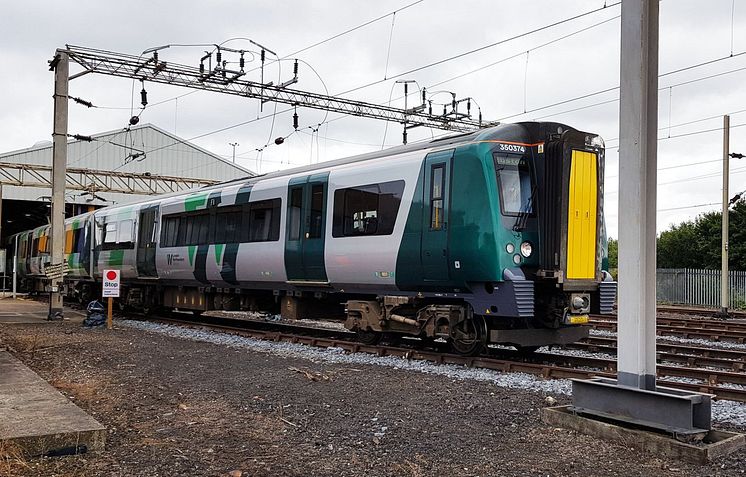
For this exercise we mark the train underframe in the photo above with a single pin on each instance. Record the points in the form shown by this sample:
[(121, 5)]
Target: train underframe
[(429, 318)]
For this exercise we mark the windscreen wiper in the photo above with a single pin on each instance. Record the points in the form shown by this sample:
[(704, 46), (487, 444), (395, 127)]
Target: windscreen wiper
[(522, 218)]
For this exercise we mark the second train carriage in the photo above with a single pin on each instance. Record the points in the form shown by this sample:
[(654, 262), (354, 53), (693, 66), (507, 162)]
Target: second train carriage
[(494, 236)]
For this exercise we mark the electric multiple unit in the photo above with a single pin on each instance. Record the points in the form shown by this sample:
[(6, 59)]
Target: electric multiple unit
[(495, 236)]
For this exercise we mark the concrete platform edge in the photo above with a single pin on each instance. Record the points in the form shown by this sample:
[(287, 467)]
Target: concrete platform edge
[(723, 442), (36, 419), (91, 440)]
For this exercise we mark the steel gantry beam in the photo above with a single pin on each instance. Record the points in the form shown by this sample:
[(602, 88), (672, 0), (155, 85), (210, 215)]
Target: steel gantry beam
[(222, 80), (37, 175)]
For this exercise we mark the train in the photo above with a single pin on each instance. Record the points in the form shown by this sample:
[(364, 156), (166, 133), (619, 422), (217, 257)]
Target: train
[(490, 237)]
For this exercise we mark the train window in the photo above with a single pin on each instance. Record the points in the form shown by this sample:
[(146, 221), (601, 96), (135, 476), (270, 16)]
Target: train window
[(264, 219), (202, 230), (437, 180), (79, 240), (69, 241), (196, 230), (366, 210), (170, 231), (296, 206), (43, 240), (514, 180), (126, 233), (317, 208), (110, 233), (228, 226)]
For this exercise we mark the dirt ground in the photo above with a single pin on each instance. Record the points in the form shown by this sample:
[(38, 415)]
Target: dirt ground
[(180, 407)]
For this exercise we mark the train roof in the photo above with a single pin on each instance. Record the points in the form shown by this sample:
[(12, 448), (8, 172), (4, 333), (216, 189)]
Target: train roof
[(507, 131)]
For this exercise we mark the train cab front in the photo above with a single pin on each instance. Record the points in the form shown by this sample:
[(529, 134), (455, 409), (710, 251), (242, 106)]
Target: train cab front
[(552, 240), (571, 282)]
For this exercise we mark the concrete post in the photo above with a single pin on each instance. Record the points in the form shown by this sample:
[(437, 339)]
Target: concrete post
[(637, 191), (59, 166), (724, 282)]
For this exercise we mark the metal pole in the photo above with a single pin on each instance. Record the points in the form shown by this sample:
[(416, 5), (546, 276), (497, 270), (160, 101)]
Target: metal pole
[(15, 265), (5, 258), (109, 312), (59, 166), (637, 191), (724, 282), (234, 144)]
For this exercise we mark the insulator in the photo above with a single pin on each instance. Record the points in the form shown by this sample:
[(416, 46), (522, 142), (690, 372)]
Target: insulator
[(453, 103), (295, 120), (480, 118), (404, 135), (143, 97), (406, 88), (262, 55), (241, 61), (201, 67), (468, 106), (295, 68), (430, 109), (445, 111), (219, 57), (155, 57), (423, 96)]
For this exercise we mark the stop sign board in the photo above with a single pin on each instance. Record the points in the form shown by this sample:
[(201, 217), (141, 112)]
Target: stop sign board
[(111, 284)]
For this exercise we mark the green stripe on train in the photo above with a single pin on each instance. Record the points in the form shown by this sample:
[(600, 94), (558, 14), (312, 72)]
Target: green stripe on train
[(192, 203)]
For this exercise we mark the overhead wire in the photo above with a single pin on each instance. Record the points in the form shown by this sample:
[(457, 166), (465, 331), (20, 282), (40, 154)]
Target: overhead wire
[(614, 88), (401, 74), (479, 49), (484, 47)]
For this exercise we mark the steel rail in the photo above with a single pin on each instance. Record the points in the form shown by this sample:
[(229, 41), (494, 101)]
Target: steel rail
[(679, 349), (738, 336), (733, 364)]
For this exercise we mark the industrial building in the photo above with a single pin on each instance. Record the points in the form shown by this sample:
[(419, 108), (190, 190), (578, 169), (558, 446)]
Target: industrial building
[(113, 167)]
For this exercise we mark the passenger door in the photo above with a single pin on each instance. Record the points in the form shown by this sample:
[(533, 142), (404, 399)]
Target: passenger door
[(306, 228), (146, 242), (436, 205)]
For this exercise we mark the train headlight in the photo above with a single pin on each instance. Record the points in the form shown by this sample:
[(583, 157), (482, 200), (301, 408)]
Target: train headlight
[(526, 249), (510, 248), (517, 259), (594, 141)]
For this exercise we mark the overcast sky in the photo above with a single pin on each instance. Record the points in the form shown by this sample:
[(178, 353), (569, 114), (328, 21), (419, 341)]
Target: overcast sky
[(582, 58)]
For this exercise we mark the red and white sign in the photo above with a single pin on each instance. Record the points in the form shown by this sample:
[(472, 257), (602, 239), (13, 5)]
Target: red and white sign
[(111, 284)]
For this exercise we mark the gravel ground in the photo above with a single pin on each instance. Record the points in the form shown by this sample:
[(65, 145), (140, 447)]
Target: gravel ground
[(196, 404)]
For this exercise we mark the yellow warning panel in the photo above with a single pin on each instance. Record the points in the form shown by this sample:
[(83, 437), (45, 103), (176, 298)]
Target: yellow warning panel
[(581, 217)]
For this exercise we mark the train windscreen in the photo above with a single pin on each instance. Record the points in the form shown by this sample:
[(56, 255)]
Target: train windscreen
[(514, 182)]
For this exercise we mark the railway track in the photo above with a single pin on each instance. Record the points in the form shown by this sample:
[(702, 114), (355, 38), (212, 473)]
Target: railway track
[(723, 384), (732, 360), (685, 328), (698, 311)]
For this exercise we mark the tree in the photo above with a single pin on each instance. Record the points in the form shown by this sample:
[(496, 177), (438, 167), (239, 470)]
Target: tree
[(678, 247), (613, 254), (696, 243)]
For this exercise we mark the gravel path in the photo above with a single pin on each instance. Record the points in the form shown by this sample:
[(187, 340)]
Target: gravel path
[(196, 403)]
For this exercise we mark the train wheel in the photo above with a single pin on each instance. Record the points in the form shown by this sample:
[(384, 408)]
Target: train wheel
[(368, 337), (469, 337)]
